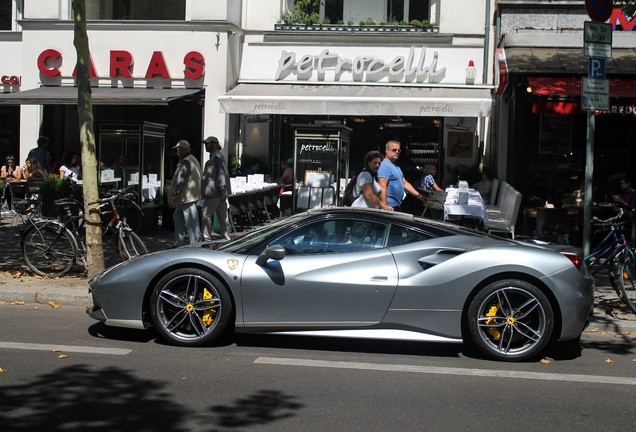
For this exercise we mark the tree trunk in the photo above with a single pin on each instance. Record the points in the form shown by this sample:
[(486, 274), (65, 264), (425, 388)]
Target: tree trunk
[(94, 247)]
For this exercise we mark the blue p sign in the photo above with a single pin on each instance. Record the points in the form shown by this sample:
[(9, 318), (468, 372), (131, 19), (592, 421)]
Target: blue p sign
[(596, 68)]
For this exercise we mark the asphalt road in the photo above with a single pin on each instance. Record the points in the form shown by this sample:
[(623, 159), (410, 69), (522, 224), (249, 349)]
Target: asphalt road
[(127, 380)]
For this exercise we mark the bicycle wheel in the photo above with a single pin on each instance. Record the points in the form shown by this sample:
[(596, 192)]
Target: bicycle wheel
[(628, 282), (49, 249), (615, 274), (131, 211), (129, 245)]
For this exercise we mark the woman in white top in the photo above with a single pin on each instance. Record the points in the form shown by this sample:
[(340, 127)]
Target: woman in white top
[(367, 188), (69, 168)]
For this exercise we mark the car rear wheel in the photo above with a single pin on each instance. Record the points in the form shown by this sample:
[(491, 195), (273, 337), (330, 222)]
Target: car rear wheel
[(510, 320), (190, 307)]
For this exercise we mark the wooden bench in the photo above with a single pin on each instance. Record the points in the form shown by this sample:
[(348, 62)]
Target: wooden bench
[(502, 218)]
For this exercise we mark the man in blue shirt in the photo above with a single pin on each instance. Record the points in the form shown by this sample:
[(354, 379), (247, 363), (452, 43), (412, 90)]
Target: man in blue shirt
[(392, 180)]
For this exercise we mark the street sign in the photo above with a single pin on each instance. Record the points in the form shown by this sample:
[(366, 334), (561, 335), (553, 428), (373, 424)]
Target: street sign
[(595, 94), (599, 10), (596, 68), (597, 39)]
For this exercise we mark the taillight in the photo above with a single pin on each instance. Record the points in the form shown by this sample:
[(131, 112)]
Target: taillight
[(575, 259)]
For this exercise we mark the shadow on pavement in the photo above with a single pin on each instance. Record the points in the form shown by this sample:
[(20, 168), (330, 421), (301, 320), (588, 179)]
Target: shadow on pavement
[(82, 397)]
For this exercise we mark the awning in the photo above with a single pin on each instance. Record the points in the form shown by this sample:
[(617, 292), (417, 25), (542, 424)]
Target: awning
[(569, 61), (101, 96), (360, 100), (571, 86)]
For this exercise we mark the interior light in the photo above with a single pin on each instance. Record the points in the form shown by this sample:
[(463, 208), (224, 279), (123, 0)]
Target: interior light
[(529, 89)]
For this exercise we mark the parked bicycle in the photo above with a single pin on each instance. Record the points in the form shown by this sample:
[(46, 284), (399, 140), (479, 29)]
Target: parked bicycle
[(615, 253), (51, 246)]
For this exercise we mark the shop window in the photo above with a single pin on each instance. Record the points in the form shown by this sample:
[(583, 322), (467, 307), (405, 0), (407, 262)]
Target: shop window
[(146, 10), (333, 11), (5, 14), (407, 10)]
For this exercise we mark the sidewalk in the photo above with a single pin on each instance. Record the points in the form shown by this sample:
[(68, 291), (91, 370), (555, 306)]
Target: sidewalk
[(17, 283)]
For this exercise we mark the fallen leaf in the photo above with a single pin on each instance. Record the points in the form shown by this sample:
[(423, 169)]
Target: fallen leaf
[(56, 350), (54, 305), (2, 370), (609, 361), (3, 282), (619, 335), (36, 308), (62, 356), (544, 361)]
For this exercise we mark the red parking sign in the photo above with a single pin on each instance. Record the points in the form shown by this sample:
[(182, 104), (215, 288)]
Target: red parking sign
[(599, 10)]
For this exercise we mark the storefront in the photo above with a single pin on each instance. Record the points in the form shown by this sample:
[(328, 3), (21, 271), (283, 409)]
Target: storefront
[(431, 99), (543, 100), (170, 77)]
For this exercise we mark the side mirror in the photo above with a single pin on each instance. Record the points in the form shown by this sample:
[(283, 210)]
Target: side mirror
[(275, 252)]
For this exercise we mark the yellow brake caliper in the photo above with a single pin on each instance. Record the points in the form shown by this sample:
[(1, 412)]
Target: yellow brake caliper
[(493, 313), (207, 316)]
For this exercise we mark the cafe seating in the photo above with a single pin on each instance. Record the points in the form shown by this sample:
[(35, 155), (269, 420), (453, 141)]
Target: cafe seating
[(434, 207), (502, 218)]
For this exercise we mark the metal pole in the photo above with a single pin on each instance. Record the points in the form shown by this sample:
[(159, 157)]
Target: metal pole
[(589, 170)]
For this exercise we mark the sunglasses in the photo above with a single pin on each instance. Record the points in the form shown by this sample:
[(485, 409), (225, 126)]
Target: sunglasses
[(396, 150)]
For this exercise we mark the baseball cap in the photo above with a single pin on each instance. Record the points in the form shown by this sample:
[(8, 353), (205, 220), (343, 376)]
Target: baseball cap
[(183, 144), (211, 139)]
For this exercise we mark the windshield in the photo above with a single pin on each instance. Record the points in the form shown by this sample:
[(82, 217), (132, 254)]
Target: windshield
[(244, 244)]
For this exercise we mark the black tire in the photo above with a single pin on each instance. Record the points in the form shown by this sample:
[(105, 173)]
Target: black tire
[(131, 212), (627, 271), (129, 245), (49, 249), (510, 320), (183, 314)]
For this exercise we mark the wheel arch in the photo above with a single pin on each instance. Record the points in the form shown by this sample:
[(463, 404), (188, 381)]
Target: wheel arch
[(556, 310), (149, 288)]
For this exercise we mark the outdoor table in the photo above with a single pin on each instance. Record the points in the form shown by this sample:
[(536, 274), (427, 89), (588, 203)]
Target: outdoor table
[(474, 209)]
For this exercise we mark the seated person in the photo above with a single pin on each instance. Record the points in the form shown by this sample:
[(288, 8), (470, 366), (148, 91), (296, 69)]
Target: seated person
[(10, 171), (287, 177), (70, 169), (428, 178), (32, 169), (253, 169), (484, 187), (627, 199)]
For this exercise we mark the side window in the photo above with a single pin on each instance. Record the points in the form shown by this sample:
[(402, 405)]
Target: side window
[(402, 235), (333, 236)]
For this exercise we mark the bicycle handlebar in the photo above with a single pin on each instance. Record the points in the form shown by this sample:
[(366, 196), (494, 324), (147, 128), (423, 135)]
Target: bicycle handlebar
[(612, 221)]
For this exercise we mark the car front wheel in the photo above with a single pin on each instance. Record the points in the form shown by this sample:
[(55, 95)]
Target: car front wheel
[(190, 307), (510, 320)]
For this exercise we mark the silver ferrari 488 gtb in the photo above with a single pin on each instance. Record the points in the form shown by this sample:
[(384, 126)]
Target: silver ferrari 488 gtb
[(357, 273)]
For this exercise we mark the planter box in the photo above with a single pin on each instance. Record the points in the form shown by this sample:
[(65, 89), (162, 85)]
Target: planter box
[(353, 28)]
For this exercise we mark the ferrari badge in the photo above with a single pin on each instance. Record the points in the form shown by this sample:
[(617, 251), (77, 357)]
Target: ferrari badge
[(232, 263)]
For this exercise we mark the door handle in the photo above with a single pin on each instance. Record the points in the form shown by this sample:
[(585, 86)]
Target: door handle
[(379, 278)]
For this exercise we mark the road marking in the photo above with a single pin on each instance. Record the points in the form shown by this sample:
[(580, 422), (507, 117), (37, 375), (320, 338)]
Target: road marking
[(594, 379), (65, 348)]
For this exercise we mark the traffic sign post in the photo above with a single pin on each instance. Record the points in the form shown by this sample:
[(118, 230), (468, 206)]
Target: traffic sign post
[(599, 10), (597, 39), (595, 94), (596, 68)]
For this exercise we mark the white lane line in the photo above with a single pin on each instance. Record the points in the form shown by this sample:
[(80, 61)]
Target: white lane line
[(594, 379), (65, 348)]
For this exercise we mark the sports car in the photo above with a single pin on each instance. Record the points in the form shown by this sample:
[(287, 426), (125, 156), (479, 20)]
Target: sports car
[(359, 273)]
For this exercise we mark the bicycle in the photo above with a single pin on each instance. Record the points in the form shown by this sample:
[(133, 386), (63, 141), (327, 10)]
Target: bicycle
[(50, 246), (615, 253)]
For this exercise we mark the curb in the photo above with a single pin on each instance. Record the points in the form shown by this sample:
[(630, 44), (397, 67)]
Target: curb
[(61, 296)]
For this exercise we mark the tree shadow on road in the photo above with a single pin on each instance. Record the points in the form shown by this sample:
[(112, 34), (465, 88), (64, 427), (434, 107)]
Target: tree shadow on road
[(85, 398)]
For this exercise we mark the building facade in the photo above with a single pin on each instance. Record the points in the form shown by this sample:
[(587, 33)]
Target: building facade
[(417, 71), (541, 129)]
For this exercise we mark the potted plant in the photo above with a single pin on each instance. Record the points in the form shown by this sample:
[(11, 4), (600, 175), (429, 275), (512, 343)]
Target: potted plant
[(53, 188)]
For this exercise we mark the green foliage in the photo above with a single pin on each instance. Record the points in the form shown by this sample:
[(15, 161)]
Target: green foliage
[(416, 23), (350, 22), (235, 166), (1, 184), (628, 7), (53, 188)]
